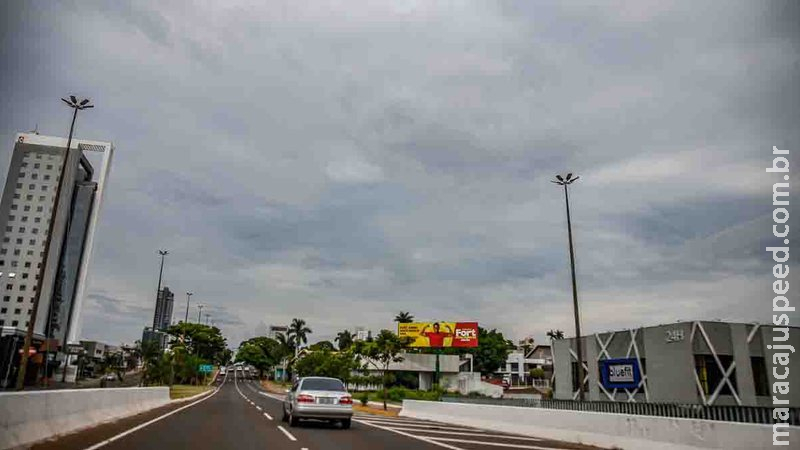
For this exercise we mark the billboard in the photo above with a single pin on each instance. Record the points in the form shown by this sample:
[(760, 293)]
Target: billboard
[(620, 373), (440, 334)]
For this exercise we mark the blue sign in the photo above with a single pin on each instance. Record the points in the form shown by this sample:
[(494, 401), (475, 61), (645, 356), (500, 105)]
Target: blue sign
[(206, 368), (622, 373)]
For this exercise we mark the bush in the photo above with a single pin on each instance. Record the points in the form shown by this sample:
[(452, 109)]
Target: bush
[(364, 398)]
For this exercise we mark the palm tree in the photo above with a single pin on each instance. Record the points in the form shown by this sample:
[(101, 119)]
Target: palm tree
[(555, 335), (404, 317), (344, 339), (298, 334)]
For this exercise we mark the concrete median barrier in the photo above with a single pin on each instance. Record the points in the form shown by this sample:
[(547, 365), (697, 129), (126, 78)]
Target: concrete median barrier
[(601, 429), (27, 417)]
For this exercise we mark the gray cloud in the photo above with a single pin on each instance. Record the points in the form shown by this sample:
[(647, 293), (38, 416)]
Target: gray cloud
[(302, 160)]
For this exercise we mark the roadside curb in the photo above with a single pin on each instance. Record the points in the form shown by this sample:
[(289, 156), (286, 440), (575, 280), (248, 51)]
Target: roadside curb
[(178, 400)]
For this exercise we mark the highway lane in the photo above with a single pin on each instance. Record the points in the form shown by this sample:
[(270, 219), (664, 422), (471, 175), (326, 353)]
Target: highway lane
[(240, 414)]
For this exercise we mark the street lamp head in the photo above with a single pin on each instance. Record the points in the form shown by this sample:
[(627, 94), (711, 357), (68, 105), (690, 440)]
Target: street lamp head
[(74, 100), (84, 101), (163, 252), (565, 181)]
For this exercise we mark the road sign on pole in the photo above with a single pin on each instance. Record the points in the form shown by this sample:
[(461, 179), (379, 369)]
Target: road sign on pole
[(205, 368)]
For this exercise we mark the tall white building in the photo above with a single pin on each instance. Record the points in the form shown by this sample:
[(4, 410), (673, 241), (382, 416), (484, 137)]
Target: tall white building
[(25, 211)]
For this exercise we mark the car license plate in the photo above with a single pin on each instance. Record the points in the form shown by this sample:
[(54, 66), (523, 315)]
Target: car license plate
[(326, 400)]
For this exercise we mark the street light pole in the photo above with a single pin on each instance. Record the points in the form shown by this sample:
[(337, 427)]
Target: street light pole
[(207, 316), (186, 319), (566, 181), (163, 253), (199, 312), (26, 346)]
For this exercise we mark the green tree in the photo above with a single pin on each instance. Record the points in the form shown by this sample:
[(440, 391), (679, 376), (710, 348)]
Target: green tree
[(298, 333), (404, 317), (344, 339), (491, 352), (254, 355), (202, 340), (325, 363), (322, 345), (380, 352), (537, 373)]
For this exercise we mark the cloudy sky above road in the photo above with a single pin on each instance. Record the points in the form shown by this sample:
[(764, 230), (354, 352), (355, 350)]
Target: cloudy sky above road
[(343, 161)]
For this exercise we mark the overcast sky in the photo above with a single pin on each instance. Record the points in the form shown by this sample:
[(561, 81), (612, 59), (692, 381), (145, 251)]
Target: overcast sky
[(344, 161)]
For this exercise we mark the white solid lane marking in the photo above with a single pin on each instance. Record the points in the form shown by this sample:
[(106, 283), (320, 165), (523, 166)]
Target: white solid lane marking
[(258, 407), (267, 416), (150, 422), (289, 435), (421, 425), (495, 444), (403, 433), (467, 433)]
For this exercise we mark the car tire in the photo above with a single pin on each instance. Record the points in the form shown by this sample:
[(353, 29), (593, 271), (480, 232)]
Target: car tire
[(293, 421), (285, 417), (345, 424)]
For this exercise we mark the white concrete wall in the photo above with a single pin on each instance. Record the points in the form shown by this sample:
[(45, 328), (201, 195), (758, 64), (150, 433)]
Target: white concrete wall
[(27, 417), (606, 430)]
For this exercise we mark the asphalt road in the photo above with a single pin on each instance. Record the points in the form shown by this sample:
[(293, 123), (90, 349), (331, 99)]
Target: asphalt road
[(241, 415)]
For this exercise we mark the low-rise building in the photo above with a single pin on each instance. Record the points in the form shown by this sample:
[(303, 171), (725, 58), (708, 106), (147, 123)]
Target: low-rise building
[(519, 363), (701, 362)]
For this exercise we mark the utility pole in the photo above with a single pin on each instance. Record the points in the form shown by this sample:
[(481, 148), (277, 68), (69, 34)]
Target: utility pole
[(566, 181), (199, 312), (26, 346)]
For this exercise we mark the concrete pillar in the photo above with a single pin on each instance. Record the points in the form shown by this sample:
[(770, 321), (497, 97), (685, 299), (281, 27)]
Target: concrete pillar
[(425, 381), (744, 370)]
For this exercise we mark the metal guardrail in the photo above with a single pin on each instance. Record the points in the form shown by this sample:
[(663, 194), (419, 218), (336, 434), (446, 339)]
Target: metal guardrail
[(743, 414)]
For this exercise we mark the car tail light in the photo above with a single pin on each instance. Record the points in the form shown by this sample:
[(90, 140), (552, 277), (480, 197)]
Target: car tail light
[(305, 398), (346, 400)]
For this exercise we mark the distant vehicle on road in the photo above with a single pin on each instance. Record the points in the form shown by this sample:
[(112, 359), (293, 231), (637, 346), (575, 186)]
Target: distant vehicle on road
[(319, 398), (110, 377)]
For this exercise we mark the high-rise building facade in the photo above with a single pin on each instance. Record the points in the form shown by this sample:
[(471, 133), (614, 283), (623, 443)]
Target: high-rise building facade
[(163, 314), (25, 219)]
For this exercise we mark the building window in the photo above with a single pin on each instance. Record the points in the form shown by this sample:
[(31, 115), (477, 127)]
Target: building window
[(29, 253), (14, 323), (36, 165), (24, 164), (31, 186), (49, 167), (20, 299), (39, 208), (14, 206), (22, 174), (12, 218), (710, 375), (24, 218), (13, 264), (25, 276), (41, 198), (6, 239), (37, 219), (6, 298), (26, 208), (35, 231), (17, 311), (21, 229), (27, 264), (3, 310), (9, 229), (19, 186), (16, 252), (22, 287), (44, 187), (34, 176), (9, 287), (47, 178), (3, 251), (759, 367), (32, 242)]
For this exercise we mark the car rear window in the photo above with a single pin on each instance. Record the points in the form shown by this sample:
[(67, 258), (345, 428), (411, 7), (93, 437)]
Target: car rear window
[(322, 384)]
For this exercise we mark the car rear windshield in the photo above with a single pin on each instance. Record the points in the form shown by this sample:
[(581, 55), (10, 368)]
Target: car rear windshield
[(322, 384)]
